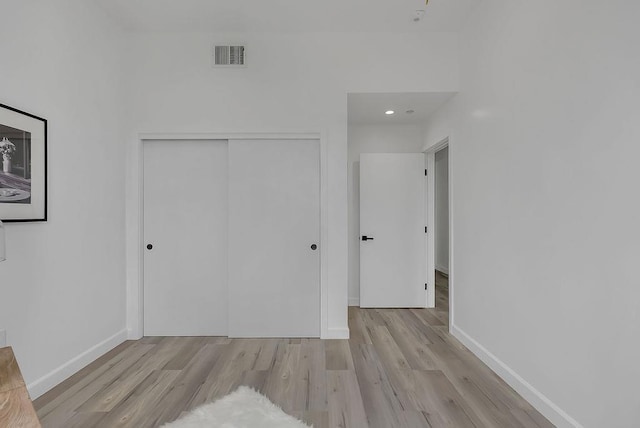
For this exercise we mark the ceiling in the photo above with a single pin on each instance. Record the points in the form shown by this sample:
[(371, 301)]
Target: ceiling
[(370, 108), (288, 15)]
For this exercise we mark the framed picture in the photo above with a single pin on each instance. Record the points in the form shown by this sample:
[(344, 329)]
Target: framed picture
[(23, 166)]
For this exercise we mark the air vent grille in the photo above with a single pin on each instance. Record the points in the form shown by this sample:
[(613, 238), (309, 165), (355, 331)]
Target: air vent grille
[(229, 56)]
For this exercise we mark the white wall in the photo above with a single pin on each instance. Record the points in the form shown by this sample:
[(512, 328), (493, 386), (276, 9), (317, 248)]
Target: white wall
[(544, 160), (62, 288), (441, 232), (293, 83), (371, 139)]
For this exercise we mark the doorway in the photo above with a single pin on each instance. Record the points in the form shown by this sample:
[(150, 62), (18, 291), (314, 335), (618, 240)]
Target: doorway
[(441, 230), (385, 123), (440, 241)]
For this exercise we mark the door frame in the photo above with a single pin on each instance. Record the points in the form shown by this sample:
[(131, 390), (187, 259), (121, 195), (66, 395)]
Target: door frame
[(430, 154), (135, 219)]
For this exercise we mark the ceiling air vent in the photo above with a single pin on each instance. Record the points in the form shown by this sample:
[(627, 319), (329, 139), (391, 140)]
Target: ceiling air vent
[(229, 56)]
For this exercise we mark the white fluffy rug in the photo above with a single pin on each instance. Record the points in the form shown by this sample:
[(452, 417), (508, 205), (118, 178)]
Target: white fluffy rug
[(244, 408)]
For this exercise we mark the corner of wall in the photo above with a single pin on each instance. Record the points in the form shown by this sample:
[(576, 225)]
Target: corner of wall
[(56, 376), (336, 333)]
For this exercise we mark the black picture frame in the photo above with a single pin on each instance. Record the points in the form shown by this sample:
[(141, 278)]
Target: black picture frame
[(23, 166)]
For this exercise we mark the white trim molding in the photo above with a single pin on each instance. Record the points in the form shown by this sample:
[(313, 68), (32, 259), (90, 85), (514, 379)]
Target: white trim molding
[(50, 380), (354, 301), (231, 136), (537, 399), (337, 333)]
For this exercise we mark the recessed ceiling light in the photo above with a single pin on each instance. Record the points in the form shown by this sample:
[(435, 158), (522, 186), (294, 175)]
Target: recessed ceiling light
[(389, 112)]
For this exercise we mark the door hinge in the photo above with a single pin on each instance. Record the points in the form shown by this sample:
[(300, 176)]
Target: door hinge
[(425, 229), (425, 286), (425, 172)]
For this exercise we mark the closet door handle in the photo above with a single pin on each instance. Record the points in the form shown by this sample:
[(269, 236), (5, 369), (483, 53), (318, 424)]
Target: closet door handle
[(367, 238)]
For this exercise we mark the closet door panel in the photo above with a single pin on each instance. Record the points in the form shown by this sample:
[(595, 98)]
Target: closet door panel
[(274, 238), (185, 238)]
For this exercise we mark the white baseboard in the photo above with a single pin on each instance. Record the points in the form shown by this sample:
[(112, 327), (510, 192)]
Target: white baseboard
[(442, 269), (133, 334), (337, 333), (48, 381), (544, 405), (354, 301)]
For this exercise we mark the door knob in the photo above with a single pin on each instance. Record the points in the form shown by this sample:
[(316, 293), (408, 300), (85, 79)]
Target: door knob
[(149, 247), (367, 238), (314, 247)]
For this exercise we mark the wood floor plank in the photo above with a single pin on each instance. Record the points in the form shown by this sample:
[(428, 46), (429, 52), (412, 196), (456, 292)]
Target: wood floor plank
[(113, 355), (382, 405), (531, 419), (281, 386), (346, 409), (153, 340), (82, 420), (413, 348), (400, 369), (491, 399), (266, 355), (372, 319), (179, 396), (429, 317), (388, 349), (437, 398), (135, 410), (62, 408), (226, 375), (338, 355), (311, 379), (255, 379), (395, 364), (110, 396), (357, 329), (314, 418), (189, 347)]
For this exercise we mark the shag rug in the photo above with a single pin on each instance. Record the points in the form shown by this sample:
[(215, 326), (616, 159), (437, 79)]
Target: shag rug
[(244, 408)]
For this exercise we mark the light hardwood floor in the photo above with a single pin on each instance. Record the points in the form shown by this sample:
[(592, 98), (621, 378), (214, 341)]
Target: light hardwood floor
[(401, 368)]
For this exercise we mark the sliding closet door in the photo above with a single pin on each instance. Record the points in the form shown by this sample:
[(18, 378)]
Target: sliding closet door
[(274, 238), (185, 238)]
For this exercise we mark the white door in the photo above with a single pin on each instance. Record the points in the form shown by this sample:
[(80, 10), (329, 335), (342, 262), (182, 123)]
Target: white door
[(274, 238), (185, 235), (392, 234)]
